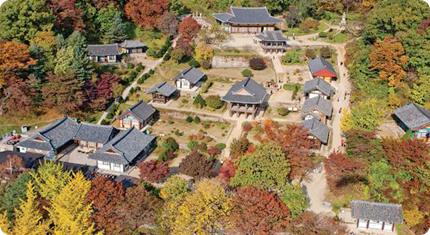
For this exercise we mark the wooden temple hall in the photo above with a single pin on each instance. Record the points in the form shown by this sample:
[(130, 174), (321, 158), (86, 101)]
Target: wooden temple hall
[(251, 20), (272, 41), (246, 97)]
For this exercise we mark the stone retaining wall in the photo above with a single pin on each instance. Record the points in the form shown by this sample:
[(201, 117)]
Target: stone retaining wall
[(230, 62)]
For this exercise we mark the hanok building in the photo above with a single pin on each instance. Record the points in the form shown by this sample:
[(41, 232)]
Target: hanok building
[(321, 68), (162, 92), (317, 107), (92, 137), (246, 97), (376, 215), (317, 132), (272, 41), (124, 150), (250, 20), (318, 87), (414, 118), (104, 53), (52, 139), (189, 79), (139, 115), (132, 46)]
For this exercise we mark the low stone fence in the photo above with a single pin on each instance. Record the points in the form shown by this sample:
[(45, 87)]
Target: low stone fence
[(230, 62), (166, 114)]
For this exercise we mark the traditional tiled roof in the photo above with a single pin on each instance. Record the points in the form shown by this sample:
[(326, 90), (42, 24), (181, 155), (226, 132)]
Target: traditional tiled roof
[(317, 103), (104, 49), (95, 133), (247, 15), (124, 147), (413, 116), (246, 91), (320, 85), (132, 44), (317, 129), (319, 64), (52, 137), (140, 110), (190, 74), (386, 212), (272, 36), (163, 88)]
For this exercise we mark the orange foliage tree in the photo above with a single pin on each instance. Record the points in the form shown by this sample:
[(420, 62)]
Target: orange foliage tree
[(341, 170), (146, 12), (388, 57), (12, 167)]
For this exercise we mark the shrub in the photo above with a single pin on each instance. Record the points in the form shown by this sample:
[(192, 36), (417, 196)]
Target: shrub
[(214, 101), (189, 119), (325, 52), (170, 144), (192, 145), (283, 111), (105, 122), (167, 57), (213, 151), (206, 64), (170, 121), (221, 146), (196, 165), (151, 72), (257, 64), (206, 86), (194, 63), (153, 171), (246, 127), (322, 35), (140, 67), (310, 53), (196, 120), (239, 146), (247, 73), (151, 52), (140, 81), (130, 66), (199, 102), (178, 133)]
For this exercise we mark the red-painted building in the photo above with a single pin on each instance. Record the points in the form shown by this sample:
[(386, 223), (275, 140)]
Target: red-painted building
[(321, 68)]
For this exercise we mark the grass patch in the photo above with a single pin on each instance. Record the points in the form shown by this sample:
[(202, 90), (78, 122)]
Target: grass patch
[(236, 52), (154, 40), (298, 32), (338, 38)]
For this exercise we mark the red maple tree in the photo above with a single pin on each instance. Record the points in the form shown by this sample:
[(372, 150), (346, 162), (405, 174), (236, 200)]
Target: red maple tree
[(106, 194), (339, 167), (188, 28), (153, 170), (256, 211)]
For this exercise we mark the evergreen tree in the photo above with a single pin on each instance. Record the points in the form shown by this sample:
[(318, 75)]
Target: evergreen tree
[(117, 31), (199, 101), (14, 194)]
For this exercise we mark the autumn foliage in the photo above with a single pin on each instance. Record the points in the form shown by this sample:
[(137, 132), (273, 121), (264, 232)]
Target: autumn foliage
[(153, 170), (256, 211), (311, 223), (196, 165), (146, 12), (12, 167), (388, 57), (106, 195), (294, 142), (67, 15), (188, 28), (339, 169)]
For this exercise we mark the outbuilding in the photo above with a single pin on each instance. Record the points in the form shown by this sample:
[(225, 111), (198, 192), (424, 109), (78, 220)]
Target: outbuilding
[(104, 53), (414, 118), (139, 115), (272, 41), (321, 68), (189, 79), (317, 107), (132, 46), (376, 215), (318, 87), (162, 92), (317, 132)]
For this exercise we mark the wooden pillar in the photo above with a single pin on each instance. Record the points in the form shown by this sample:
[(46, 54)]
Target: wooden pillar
[(383, 225), (358, 221), (367, 225), (392, 228)]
